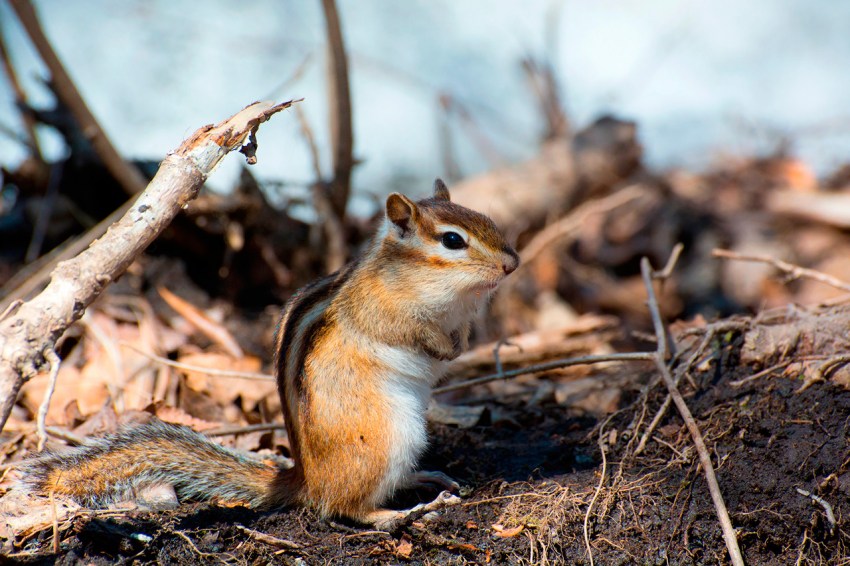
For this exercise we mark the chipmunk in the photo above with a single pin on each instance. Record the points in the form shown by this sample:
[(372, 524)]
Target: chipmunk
[(356, 354)]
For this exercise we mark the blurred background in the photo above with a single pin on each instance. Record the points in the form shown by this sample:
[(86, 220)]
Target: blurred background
[(722, 115), (702, 79)]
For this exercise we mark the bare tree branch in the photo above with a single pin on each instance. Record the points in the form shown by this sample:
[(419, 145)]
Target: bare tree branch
[(20, 99), (36, 326), (130, 178), (339, 99)]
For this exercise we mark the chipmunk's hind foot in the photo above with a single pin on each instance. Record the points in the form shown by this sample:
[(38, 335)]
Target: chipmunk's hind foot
[(390, 520)]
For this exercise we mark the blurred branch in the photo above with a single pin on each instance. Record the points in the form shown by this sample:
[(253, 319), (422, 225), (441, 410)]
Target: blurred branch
[(792, 270), (20, 100), (568, 225), (327, 221), (451, 169), (548, 95), (473, 130), (130, 178), (28, 335), (45, 211), (339, 102)]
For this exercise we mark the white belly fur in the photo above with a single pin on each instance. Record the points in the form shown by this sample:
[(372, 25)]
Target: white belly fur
[(407, 390)]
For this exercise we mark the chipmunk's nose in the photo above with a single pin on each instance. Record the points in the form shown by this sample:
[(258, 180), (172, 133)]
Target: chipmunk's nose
[(510, 261)]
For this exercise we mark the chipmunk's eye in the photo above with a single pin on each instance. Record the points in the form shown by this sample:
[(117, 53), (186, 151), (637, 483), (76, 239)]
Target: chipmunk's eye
[(453, 241)]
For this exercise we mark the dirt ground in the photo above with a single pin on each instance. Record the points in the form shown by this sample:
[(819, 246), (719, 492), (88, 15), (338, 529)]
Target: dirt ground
[(531, 476)]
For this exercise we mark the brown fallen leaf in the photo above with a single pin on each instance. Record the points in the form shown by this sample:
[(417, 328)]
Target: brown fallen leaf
[(213, 330), (404, 547), (501, 532)]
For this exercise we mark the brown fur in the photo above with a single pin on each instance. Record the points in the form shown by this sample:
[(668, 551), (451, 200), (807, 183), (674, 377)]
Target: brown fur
[(354, 420)]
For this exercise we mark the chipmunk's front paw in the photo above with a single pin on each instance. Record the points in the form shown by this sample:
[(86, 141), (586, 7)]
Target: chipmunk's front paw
[(457, 344), (442, 347)]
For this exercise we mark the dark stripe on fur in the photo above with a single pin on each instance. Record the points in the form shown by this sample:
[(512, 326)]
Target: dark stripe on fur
[(299, 306)]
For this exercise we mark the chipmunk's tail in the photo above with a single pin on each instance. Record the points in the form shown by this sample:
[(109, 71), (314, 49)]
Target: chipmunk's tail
[(140, 462)]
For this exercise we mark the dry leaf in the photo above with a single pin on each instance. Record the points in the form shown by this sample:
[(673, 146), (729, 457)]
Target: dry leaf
[(404, 547), (89, 391), (213, 330), (501, 532)]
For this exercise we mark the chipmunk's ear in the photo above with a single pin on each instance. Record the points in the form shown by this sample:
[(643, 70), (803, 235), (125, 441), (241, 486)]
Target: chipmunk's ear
[(441, 191), (402, 212)]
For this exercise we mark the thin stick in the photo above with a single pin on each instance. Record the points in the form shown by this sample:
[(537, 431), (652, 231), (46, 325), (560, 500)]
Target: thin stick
[(705, 459), (268, 539), (830, 515), (555, 364), (45, 211), (200, 369), (55, 362), (65, 435), (662, 410), (127, 175), (595, 497), (54, 519), (761, 373), (227, 430), (795, 271), (671, 263)]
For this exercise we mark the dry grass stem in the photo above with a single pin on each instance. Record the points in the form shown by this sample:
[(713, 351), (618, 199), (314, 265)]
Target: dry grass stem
[(555, 364), (54, 361), (201, 369)]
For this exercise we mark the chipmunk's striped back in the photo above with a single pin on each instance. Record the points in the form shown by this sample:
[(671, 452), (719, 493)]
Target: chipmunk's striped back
[(304, 316)]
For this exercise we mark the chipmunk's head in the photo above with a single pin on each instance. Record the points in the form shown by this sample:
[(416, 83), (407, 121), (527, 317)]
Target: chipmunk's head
[(447, 244)]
